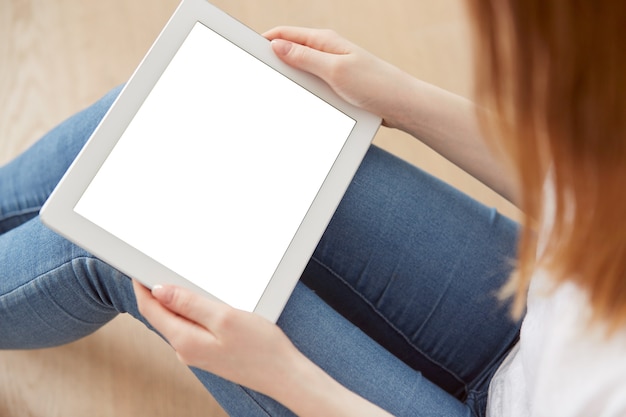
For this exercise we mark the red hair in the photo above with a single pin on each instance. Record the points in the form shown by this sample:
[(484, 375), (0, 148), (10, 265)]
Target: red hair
[(554, 72)]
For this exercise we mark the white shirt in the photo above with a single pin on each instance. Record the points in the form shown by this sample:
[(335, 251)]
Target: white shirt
[(562, 366)]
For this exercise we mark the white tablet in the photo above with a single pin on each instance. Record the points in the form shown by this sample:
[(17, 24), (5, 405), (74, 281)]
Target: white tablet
[(217, 168)]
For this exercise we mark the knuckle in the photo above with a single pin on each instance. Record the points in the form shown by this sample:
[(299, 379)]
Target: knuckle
[(298, 54), (191, 352), (225, 318), (181, 300), (183, 346), (185, 354), (339, 70), (177, 341), (184, 359)]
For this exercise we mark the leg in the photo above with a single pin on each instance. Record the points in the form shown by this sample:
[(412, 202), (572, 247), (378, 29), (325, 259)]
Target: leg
[(52, 292), (348, 355), (32, 257), (26, 182), (66, 294), (417, 265)]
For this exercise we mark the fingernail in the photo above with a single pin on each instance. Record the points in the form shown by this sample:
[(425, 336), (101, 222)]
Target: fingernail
[(281, 47), (161, 293)]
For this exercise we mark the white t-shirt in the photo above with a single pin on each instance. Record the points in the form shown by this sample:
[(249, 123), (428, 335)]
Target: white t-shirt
[(562, 366)]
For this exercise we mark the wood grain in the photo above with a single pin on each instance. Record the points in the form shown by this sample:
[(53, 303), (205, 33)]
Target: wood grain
[(58, 56)]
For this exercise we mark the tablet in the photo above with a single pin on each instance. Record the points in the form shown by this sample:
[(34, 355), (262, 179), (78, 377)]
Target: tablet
[(217, 168)]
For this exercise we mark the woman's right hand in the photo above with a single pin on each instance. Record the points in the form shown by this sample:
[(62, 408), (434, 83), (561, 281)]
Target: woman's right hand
[(444, 121), (354, 74)]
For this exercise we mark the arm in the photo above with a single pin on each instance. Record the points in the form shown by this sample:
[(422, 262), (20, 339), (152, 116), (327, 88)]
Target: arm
[(444, 121), (311, 392), (448, 123), (248, 350)]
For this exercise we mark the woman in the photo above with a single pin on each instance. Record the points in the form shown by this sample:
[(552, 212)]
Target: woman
[(414, 267)]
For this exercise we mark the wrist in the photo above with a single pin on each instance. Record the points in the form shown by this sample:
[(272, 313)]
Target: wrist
[(411, 95), (307, 390), (405, 95), (300, 378)]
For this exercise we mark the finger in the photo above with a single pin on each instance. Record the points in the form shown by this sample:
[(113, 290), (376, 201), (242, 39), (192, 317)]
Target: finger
[(140, 289), (149, 307), (143, 296), (321, 39), (173, 327), (189, 305), (302, 57)]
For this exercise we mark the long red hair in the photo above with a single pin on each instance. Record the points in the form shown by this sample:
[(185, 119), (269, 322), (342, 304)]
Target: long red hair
[(554, 73)]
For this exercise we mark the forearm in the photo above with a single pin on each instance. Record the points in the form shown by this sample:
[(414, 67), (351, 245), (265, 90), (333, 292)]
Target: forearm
[(448, 124)]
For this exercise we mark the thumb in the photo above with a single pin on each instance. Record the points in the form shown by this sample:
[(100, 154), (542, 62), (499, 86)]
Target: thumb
[(185, 303), (302, 57)]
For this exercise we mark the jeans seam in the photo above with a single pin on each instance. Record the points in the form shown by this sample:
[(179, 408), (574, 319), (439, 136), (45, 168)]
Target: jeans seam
[(12, 214), (389, 323), (99, 300), (477, 396), (247, 392), (42, 274)]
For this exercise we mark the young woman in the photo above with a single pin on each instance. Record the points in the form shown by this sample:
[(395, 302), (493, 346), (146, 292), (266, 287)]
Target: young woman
[(400, 308)]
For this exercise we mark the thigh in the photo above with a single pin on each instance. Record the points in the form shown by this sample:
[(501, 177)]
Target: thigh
[(53, 292), (417, 265), (27, 181)]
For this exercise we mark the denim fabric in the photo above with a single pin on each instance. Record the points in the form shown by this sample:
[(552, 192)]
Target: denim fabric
[(398, 302)]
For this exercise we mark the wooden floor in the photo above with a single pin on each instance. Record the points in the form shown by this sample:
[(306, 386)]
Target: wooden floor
[(58, 56)]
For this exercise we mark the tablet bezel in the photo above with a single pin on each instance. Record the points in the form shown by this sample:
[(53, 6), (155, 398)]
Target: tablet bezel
[(58, 212)]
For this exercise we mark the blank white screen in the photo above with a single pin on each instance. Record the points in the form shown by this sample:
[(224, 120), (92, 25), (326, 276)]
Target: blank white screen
[(216, 171)]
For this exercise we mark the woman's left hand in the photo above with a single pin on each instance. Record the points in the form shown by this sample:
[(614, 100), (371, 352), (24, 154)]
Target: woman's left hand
[(236, 345)]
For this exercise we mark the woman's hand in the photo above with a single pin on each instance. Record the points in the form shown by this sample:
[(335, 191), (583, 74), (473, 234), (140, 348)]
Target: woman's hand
[(354, 74), (248, 350), (239, 346), (444, 121)]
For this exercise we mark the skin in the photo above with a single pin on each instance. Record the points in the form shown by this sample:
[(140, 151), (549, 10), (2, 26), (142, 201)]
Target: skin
[(249, 350), (446, 122), (246, 349)]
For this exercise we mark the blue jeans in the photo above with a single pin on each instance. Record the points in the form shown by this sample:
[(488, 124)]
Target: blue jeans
[(398, 302)]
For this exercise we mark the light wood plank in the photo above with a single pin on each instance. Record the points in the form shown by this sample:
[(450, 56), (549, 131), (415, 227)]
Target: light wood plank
[(122, 370), (57, 57)]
